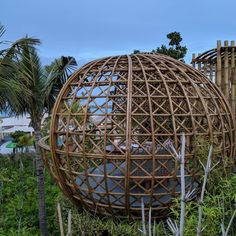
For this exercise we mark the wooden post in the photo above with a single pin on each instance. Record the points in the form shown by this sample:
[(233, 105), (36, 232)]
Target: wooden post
[(218, 75), (226, 70), (233, 78)]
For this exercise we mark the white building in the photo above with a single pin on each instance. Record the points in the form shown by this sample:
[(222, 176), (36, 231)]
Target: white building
[(9, 125)]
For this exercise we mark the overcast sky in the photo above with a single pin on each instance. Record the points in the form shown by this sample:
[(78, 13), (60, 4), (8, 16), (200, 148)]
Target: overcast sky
[(91, 29)]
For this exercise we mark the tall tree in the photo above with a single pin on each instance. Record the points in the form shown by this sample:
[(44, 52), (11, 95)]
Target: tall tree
[(175, 49), (41, 85)]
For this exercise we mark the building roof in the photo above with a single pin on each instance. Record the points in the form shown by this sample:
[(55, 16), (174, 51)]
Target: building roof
[(18, 128), (15, 121)]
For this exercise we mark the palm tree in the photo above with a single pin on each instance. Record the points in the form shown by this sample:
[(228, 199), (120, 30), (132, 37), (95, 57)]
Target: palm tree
[(42, 86)]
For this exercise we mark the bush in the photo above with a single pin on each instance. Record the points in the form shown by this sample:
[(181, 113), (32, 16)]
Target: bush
[(217, 209), (19, 199)]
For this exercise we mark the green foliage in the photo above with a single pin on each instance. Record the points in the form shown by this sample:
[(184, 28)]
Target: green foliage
[(16, 135), (22, 139), (18, 199), (136, 51), (38, 90), (25, 140), (175, 49), (219, 204), (19, 206), (223, 164), (56, 75), (12, 90), (46, 126), (88, 224), (220, 195)]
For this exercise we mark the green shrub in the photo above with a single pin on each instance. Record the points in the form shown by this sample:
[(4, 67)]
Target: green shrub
[(217, 209), (18, 198)]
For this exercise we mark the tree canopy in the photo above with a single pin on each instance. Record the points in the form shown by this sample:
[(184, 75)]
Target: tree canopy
[(11, 88), (174, 49)]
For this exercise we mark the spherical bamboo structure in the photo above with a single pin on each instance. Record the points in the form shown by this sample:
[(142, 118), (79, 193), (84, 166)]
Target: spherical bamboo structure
[(114, 122)]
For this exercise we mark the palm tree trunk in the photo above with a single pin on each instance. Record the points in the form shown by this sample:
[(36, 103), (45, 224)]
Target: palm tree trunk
[(40, 180)]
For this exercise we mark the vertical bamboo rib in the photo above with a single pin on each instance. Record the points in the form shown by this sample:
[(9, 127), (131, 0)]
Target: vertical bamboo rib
[(233, 78), (128, 133), (226, 71), (218, 75)]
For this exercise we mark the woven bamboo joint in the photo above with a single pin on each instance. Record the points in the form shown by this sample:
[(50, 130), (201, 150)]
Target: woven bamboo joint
[(113, 126)]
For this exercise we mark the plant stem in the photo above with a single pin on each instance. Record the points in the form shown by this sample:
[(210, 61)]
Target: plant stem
[(150, 222), (60, 219), (182, 175), (230, 222), (69, 232), (143, 218), (207, 170)]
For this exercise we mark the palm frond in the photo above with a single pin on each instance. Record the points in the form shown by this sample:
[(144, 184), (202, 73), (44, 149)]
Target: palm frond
[(2, 30), (56, 75), (30, 73), (15, 50), (22, 68)]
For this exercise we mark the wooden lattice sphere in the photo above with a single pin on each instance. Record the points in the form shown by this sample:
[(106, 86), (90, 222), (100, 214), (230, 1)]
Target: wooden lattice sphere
[(114, 122)]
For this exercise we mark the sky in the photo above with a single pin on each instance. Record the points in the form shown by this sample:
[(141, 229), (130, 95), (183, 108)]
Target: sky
[(91, 29)]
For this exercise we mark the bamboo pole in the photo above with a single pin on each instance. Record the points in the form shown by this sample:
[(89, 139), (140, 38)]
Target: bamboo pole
[(226, 71), (211, 71), (218, 75), (230, 71), (233, 78), (205, 69), (199, 64), (193, 60)]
